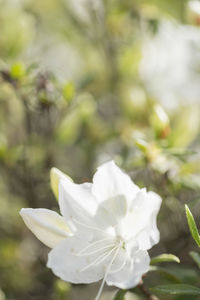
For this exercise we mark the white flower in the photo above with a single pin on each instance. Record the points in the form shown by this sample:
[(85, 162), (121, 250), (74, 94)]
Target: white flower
[(105, 230), (194, 6), (170, 64)]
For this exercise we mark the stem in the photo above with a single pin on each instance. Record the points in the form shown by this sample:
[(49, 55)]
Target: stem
[(146, 292)]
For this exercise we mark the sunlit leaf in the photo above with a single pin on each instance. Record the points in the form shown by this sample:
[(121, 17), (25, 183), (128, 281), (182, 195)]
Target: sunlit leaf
[(160, 122), (177, 289), (141, 144), (68, 91), (18, 70), (192, 225), (164, 258), (185, 128)]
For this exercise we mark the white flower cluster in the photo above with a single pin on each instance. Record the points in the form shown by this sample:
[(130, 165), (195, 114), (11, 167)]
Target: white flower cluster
[(104, 232)]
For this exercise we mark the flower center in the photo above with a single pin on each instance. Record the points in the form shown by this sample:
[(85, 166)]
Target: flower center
[(102, 250), (108, 270)]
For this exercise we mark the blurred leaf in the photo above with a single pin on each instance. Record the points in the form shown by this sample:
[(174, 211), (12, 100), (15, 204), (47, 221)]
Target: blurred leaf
[(177, 289), (196, 257), (87, 106), (68, 129), (17, 70), (192, 225), (15, 38), (191, 168), (2, 295), (186, 275), (177, 274), (151, 150), (68, 91), (164, 258), (191, 181), (186, 128), (142, 145), (62, 289), (168, 274), (181, 153), (3, 146), (160, 122), (120, 295), (124, 295)]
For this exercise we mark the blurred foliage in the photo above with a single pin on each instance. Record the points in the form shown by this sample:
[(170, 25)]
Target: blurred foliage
[(71, 96)]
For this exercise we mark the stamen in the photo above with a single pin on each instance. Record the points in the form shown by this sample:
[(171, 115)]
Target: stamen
[(118, 269), (99, 259), (93, 244), (97, 250), (107, 271), (106, 255)]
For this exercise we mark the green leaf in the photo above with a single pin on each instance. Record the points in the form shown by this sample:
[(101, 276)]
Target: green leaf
[(185, 128), (160, 121), (196, 257), (68, 91), (192, 225), (18, 70), (164, 258), (142, 145), (167, 274), (120, 295), (177, 289)]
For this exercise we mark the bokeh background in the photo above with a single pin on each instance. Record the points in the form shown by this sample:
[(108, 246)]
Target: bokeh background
[(82, 82)]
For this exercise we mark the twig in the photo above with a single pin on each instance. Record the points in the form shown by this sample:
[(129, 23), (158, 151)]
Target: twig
[(146, 292)]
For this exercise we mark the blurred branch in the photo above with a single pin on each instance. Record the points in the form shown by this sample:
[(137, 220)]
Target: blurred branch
[(146, 292)]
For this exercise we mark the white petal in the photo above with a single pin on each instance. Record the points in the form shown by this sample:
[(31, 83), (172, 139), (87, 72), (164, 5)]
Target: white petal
[(111, 211), (140, 222), (130, 275), (55, 176), (77, 204), (67, 264), (147, 211), (110, 182), (48, 226), (76, 196)]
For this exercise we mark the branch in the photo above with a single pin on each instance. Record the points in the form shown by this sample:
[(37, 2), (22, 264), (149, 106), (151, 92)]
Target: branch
[(146, 292)]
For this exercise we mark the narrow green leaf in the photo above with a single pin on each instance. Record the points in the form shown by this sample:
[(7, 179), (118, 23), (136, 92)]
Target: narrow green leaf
[(177, 289), (196, 257), (120, 295), (164, 258), (192, 225)]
